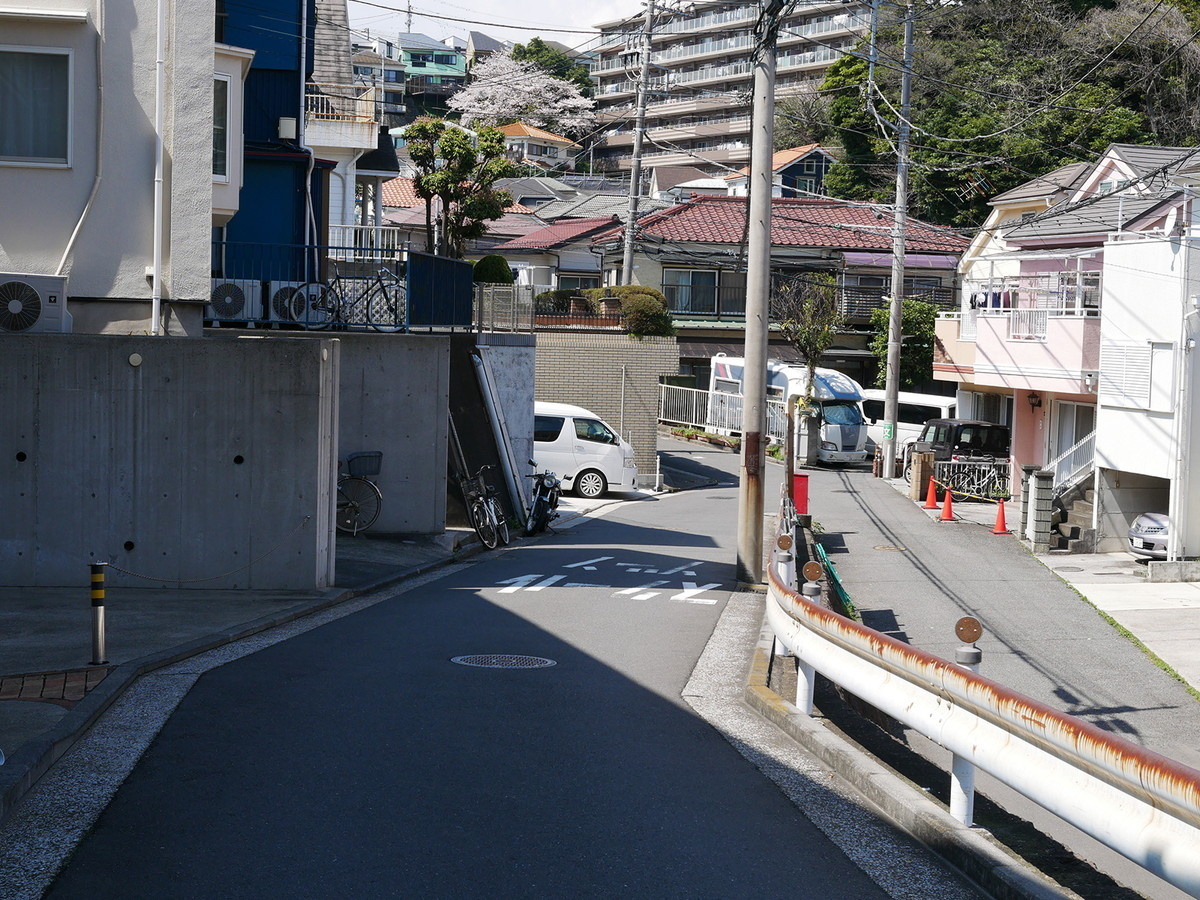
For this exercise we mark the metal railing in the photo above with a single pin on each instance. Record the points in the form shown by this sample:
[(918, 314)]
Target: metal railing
[(1028, 324), (367, 242), (339, 102), (718, 412), (977, 479), (1073, 464), (1134, 801), (504, 307)]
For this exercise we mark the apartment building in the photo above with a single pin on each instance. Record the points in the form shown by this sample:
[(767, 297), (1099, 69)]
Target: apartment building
[(699, 103)]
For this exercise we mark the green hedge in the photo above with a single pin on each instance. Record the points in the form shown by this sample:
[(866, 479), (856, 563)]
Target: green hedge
[(493, 269)]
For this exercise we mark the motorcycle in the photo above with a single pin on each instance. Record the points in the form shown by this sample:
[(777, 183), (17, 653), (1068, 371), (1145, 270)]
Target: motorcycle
[(546, 490)]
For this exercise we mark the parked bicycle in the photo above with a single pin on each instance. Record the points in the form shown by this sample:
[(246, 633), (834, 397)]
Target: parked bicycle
[(546, 491), (359, 499), (343, 302), (484, 510)]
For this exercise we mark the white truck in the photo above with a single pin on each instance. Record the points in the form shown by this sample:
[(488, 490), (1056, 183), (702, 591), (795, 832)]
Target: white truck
[(837, 396)]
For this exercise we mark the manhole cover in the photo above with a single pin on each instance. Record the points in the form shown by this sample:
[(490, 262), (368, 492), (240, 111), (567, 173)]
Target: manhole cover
[(503, 661), (1068, 568), (888, 547)]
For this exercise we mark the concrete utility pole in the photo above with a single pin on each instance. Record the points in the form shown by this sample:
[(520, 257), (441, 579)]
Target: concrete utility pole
[(635, 180), (758, 291), (892, 384)]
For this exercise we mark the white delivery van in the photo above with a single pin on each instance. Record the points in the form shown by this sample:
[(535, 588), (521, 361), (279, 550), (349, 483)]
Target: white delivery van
[(837, 396), (912, 412), (582, 449)]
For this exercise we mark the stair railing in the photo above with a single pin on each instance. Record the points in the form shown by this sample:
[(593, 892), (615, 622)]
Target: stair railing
[(1072, 465)]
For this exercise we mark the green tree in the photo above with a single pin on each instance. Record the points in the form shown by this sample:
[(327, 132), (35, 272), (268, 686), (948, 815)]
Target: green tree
[(917, 321), (492, 269), (556, 63), (459, 172), (809, 317)]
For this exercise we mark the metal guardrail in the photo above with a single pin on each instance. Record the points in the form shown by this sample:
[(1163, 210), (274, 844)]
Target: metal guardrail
[(1071, 465), (1134, 801), (719, 412)]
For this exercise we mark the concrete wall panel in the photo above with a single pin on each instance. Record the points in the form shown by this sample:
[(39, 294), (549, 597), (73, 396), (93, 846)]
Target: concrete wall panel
[(205, 464)]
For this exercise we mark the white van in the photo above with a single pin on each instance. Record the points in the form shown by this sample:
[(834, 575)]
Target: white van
[(578, 446), (837, 396), (912, 412)]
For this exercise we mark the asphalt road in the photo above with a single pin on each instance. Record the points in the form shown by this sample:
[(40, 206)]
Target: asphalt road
[(358, 760)]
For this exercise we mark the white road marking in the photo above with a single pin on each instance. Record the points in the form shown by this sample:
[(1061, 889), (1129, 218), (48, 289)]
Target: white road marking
[(547, 582), (678, 569), (517, 583), (690, 591), (640, 587), (587, 563)]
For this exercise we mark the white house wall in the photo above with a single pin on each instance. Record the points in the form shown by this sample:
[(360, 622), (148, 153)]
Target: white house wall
[(115, 242)]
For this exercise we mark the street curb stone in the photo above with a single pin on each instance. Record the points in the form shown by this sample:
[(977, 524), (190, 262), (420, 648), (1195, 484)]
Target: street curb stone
[(973, 852)]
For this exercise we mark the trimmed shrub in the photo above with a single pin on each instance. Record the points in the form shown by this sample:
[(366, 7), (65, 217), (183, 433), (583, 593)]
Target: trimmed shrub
[(552, 303), (645, 315), (493, 269)]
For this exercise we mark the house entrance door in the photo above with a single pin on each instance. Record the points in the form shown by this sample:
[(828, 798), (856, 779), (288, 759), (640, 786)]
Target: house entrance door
[(1072, 423)]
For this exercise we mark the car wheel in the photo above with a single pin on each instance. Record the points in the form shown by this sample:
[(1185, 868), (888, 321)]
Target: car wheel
[(590, 484)]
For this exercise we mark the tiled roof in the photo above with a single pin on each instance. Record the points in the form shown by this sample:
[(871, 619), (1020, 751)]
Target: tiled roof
[(1090, 218), (811, 223), (520, 129), (666, 177), (1060, 179), (593, 205), (509, 225), (561, 232), (779, 159), (400, 193)]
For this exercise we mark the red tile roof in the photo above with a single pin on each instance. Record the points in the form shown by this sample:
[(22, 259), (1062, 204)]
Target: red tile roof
[(399, 193), (801, 222), (564, 231)]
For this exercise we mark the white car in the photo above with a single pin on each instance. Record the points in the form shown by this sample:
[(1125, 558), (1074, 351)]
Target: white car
[(1148, 535), (582, 449)]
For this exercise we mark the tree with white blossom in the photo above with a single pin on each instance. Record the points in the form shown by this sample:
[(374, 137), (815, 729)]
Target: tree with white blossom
[(504, 91)]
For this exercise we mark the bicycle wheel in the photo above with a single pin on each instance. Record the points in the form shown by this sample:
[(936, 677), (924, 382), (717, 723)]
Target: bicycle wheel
[(358, 506), (385, 309), (481, 521), (324, 309), (501, 520), (355, 305)]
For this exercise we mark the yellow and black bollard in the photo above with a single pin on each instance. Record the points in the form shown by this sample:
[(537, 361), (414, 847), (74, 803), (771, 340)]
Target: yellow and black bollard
[(98, 648)]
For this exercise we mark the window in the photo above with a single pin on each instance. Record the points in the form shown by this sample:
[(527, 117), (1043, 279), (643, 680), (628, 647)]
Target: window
[(445, 59), (35, 106), (547, 428), (578, 282), (595, 431), (220, 163), (393, 75), (691, 290)]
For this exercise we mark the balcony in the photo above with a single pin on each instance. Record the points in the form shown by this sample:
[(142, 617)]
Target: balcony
[(341, 115), (706, 301)]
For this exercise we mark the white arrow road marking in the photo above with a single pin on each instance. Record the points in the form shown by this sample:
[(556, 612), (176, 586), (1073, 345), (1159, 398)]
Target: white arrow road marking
[(517, 583), (587, 563), (690, 590), (649, 595), (640, 587), (678, 569), (585, 584), (547, 582)]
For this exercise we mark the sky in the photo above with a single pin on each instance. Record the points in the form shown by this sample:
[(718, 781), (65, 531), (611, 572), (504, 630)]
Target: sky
[(514, 20)]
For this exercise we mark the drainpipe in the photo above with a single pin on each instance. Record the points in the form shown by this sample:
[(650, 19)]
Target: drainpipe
[(301, 127), (87, 207), (156, 292), (1177, 503)]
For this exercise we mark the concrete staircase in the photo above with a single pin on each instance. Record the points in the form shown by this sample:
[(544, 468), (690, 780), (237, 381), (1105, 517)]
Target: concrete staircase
[(1071, 523)]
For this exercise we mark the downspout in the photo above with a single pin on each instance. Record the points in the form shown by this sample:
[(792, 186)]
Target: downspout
[(156, 292), (301, 127), (1177, 503), (87, 207)]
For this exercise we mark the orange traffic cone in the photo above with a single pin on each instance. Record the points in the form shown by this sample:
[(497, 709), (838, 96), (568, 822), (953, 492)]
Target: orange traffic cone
[(1001, 527), (931, 497), (947, 509)]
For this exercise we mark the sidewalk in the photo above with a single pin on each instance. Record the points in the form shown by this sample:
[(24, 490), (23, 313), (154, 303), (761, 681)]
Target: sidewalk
[(50, 692), (1164, 618)]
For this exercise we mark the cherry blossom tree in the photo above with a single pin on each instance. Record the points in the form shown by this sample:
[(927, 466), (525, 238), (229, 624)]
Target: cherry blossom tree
[(505, 91)]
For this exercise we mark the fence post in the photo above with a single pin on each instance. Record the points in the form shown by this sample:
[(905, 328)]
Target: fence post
[(1043, 500), (1026, 499), (962, 771)]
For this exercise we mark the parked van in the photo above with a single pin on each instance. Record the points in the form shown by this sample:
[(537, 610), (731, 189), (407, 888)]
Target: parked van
[(912, 412), (578, 446), (837, 396)]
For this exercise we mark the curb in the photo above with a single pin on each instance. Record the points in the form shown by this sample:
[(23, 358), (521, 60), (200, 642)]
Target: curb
[(33, 759), (971, 851)]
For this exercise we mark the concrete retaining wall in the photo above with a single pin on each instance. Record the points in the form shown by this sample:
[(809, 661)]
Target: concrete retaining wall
[(176, 458), (616, 377)]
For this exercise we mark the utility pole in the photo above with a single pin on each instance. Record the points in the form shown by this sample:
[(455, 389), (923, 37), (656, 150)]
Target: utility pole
[(892, 384), (635, 180), (758, 290)]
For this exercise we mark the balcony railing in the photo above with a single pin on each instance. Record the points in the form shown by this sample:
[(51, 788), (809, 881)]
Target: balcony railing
[(858, 302), (367, 242), (1061, 293), (705, 300), (340, 102)]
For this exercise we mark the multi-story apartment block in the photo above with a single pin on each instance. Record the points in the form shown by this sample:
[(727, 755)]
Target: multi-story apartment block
[(699, 103)]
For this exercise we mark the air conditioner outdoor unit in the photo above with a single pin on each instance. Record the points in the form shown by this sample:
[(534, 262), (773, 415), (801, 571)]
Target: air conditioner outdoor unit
[(33, 303), (234, 300), (291, 301)]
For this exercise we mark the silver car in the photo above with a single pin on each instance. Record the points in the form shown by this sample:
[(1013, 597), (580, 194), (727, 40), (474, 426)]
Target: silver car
[(1148, 535)]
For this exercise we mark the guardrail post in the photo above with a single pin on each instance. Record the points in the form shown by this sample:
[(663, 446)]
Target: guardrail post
[(962, 771), (98, 637), (806, 675)]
